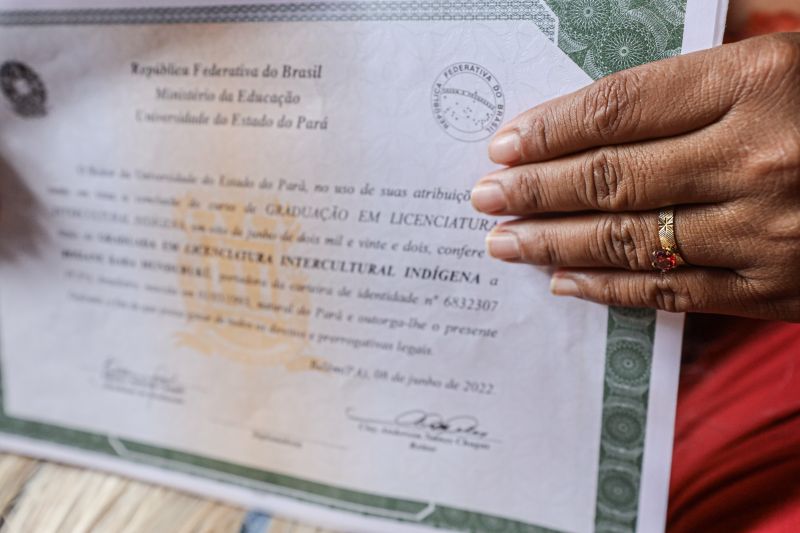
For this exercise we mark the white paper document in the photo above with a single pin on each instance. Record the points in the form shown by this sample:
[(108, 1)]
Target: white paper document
[(238, 257)]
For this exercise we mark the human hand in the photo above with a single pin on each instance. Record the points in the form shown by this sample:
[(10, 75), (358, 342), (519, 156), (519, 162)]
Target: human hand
[(715, 134)]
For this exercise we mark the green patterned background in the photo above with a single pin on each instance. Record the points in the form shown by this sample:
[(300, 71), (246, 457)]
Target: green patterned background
[(605, 36)]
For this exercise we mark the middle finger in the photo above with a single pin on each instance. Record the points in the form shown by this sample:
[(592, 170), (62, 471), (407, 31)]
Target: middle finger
[(633, 177)]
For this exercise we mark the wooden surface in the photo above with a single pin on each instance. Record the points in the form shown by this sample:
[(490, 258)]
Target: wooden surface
[(41, 497)]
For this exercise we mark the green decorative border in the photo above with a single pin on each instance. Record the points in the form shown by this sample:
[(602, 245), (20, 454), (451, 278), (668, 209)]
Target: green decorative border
[(605, 36), (626, 389), (602, 36)]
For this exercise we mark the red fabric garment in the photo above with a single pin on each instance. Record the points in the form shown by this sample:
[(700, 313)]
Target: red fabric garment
[(763, 23), (736, 462)]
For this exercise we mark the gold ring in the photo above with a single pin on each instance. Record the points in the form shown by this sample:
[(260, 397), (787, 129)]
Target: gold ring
[(668, 257)]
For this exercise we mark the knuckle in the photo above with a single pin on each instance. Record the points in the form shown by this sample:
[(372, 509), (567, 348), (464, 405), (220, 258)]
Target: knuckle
[(612, 104), (779, 55), (666, 294), (787, 230), (540, 248), (769, 61), (535, 135), (613, 294), (793, 151), (761, 292), (604, 184), (550, 255), (619, 247), (781, 229), (772, 168), (528, 190), (788, 153)]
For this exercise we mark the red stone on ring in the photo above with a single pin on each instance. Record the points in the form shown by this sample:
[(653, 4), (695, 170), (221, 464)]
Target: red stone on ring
[(665, 260)]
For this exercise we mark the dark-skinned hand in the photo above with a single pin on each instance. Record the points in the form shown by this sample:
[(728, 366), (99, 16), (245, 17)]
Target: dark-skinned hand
[(715, 134)]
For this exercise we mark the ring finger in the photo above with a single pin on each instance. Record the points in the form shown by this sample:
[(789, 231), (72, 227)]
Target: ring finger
[(617, 240)]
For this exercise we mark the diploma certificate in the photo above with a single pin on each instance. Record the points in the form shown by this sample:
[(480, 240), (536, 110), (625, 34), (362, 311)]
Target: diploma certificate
[(238, 257)]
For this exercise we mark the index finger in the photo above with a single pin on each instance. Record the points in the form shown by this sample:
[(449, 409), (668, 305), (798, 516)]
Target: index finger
[(656, 100)]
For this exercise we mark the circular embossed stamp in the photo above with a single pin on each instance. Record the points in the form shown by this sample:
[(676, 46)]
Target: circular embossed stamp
[(468, 102), (23, 88)]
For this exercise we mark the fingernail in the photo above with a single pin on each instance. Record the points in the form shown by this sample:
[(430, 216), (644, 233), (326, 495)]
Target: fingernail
[(505, 148), (503, 245), (489, 197), (563, 286)]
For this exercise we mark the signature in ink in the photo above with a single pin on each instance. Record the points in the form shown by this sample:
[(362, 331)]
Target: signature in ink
[(427, 420)]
